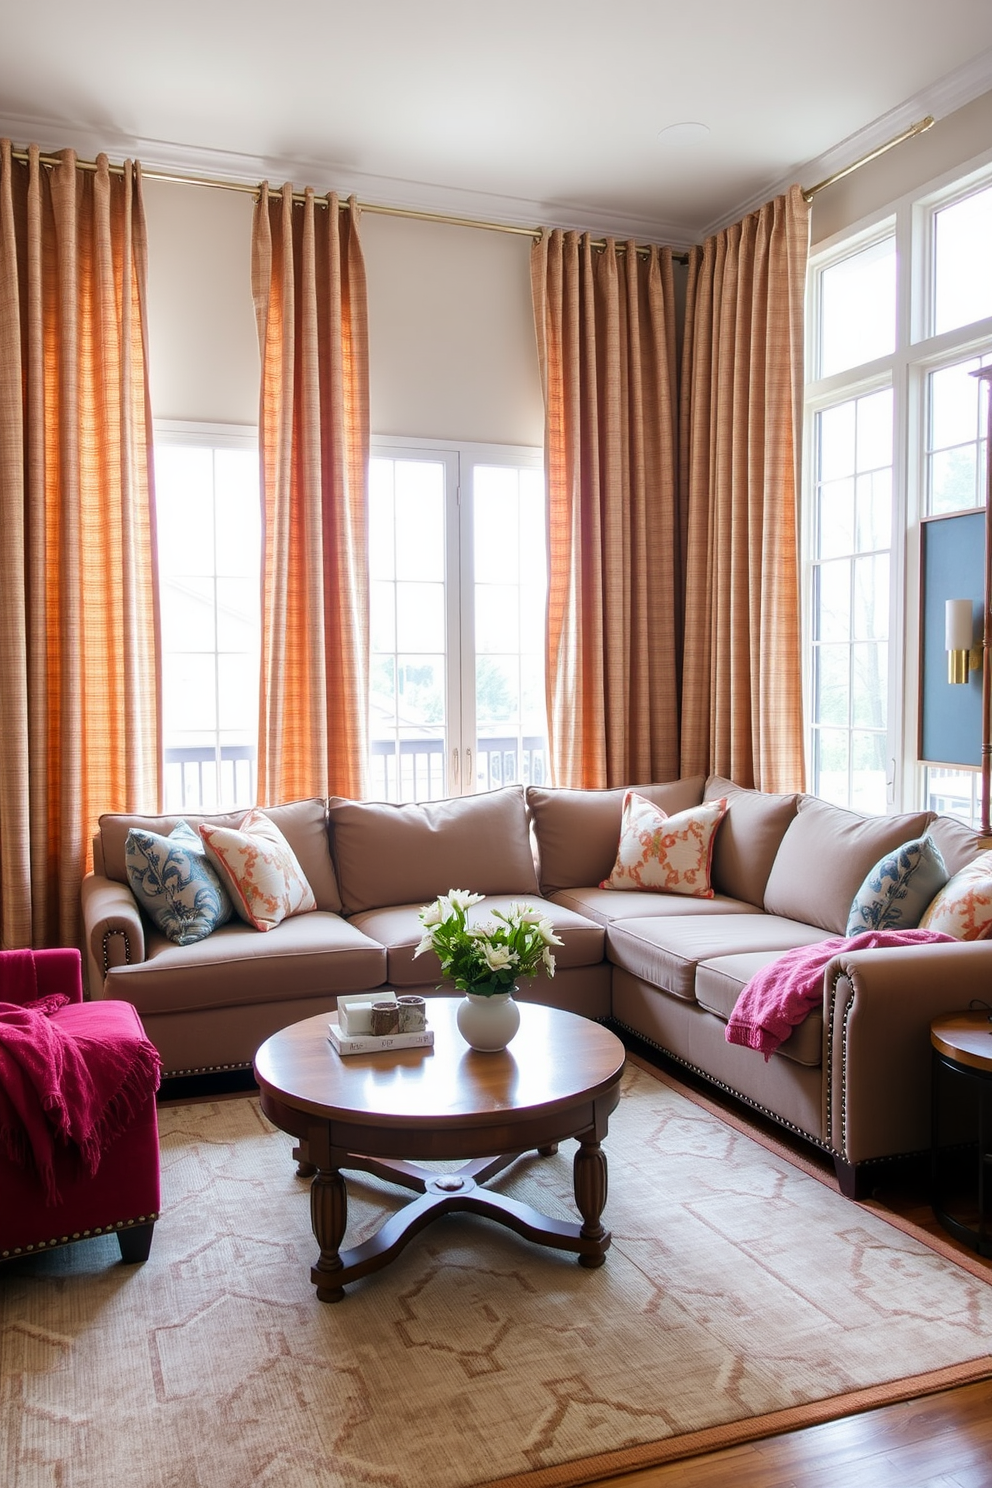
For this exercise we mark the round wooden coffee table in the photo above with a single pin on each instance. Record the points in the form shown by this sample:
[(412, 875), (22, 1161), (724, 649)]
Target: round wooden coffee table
[(376, 1113)]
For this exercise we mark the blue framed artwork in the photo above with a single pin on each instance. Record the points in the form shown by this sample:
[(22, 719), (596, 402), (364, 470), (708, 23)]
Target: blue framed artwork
[(952, 566)]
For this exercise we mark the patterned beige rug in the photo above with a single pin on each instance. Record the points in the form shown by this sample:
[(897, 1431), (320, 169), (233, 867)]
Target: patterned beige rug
[(741, 1295)]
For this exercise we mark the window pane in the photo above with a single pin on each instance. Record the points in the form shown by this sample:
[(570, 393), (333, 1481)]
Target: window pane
[(209, 554), (874, 508), (874, 424), (833, 601), (835, 518), (956, 445), (836, 441), (830, 759), (419, 520), (420, 616), (858, 308), (868, 773), (871, 598), (962, 282), (832, 684), (869, 666)]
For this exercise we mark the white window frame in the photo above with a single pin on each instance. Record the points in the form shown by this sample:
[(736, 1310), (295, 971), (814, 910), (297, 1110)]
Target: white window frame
[(916, 354), (459, 457), (205, 435)]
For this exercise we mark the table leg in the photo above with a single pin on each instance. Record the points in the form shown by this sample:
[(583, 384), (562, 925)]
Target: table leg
[(329, 1216), (589, 1180), (304, 1167)]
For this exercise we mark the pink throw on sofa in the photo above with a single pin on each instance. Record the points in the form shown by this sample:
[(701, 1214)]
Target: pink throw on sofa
[(781, 994)]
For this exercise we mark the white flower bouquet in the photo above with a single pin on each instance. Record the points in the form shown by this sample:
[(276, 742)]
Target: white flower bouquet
[(486, 957)]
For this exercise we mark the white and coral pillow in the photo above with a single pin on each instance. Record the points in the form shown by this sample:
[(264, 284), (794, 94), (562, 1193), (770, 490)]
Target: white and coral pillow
[(259, 870), (963, 908), (666, 854)]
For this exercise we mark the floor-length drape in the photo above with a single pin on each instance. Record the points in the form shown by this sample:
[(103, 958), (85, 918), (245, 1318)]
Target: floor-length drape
[(741, 411), (308, 280), (79, 702), (606, 340)]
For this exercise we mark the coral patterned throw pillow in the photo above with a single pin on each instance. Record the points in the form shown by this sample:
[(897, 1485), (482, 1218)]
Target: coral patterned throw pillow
[(259, 869), (963, 908), (666, 854)]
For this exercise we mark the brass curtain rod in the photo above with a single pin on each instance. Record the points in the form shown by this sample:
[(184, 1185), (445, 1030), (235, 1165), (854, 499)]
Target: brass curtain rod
[(219, 184)]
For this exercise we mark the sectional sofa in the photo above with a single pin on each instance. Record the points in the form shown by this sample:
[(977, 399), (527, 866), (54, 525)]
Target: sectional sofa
[(853, 1078)]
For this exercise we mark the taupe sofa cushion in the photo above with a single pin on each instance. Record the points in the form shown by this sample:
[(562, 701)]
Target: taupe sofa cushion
[(666, 952), (302, 823), (748, 837), (825, 855), (399, 930), (606, 905), (958, 844), (577, 831), (388, 854), (719, 983), (236, 965)]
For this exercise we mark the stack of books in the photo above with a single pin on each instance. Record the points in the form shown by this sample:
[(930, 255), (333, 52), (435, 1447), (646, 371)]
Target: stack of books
[(351, 1031)]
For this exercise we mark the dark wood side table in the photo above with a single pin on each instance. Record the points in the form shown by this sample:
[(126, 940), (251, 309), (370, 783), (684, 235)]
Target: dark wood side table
[(962, 1105), (380, 1113)]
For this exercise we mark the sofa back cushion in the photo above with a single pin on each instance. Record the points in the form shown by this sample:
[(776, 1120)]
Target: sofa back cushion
[(578, 831), (302, 823), (748, 838), (957, 843), (825, 856), (388, 854)]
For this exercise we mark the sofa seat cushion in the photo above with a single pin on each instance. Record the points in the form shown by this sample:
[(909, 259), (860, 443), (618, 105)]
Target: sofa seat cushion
[(399, 930), (389, 854), (606, 905), (666, 952), (303, 957), (719, 983)]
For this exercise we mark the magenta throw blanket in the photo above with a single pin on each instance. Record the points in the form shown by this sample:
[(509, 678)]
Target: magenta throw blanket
[(66, 1088), (779, 996)]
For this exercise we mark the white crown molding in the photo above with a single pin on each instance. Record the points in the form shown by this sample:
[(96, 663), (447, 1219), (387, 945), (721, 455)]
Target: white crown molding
[(939, 98), (324, 175)]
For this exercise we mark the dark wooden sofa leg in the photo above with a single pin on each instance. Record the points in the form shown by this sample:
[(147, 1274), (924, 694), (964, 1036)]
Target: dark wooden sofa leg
[(856, 1179), (135, 1242)]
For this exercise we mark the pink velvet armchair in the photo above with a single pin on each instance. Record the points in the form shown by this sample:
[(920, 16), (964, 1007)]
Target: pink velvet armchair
[(122, 1196)]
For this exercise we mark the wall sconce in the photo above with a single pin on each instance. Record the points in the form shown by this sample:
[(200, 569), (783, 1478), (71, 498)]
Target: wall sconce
[(963, 656)]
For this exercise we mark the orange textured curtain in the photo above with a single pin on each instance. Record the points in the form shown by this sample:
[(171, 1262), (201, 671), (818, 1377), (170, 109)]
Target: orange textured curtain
[(741, 423), (308, 280), (79, 704), (606, 339)]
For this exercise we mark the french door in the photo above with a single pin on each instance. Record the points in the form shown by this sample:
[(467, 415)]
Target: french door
[(458, 578)]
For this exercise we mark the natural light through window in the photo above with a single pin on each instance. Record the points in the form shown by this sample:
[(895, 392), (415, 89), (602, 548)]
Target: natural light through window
[(209, 554), (858, 308), (962, 281)]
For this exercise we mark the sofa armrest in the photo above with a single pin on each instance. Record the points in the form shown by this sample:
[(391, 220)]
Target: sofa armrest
[(112, 928), (878, 1007)]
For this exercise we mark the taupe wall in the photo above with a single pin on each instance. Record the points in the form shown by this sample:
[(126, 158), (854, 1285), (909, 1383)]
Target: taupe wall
[(951, 142), (452, 347)]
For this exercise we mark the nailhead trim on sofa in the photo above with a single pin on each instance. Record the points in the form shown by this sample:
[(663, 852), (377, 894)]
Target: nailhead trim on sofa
[(111, 1229)]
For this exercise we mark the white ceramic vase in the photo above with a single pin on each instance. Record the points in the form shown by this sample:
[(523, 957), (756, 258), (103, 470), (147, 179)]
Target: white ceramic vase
[(488, 1023)]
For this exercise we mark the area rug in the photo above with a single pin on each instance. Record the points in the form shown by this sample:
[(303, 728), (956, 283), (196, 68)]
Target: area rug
[(741, 1296)]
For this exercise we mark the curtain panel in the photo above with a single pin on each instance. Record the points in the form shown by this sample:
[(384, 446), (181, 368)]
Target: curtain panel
[(741, 424), (308, 281), (605, 325), (79, 689)]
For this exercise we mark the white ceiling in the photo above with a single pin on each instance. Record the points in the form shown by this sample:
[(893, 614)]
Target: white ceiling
[(530, 111)]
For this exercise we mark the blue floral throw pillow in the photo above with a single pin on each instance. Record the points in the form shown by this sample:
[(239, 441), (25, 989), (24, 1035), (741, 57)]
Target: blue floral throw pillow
[(899, 888), (175, 884)]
